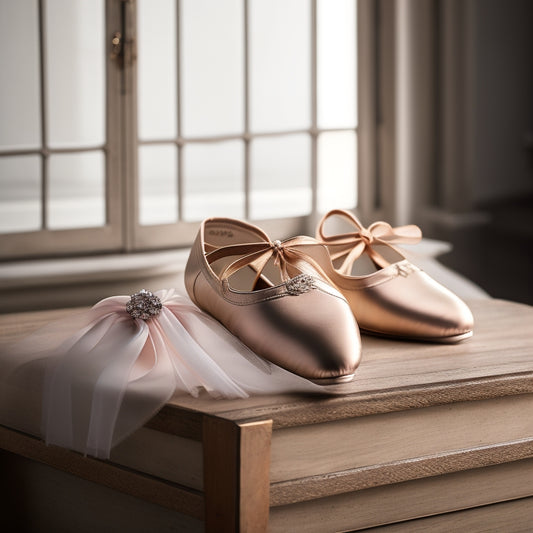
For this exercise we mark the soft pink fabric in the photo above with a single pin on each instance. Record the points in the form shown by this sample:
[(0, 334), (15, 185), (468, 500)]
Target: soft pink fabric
[(101, 374)]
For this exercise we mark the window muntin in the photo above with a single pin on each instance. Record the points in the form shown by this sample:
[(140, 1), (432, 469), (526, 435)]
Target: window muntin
[(243, 108), (58, 170), (266, 97)]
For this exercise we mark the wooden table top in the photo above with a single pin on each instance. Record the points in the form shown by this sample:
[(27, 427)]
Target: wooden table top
[(393, 375)]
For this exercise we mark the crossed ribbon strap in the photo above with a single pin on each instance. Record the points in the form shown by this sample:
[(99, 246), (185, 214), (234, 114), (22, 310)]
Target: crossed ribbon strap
[(352, 245), (257, 254)]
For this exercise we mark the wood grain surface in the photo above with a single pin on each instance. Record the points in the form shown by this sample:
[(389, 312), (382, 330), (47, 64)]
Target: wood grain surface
[(221, 474), (393, 376), (236, 475), (313, 487), (423, 429), (508, 517), (254, 476), (397, 375), (151, 489), (397, 502)]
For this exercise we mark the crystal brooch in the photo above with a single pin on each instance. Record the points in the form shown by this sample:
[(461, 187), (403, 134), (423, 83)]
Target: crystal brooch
[(300, 284), (144, 305)]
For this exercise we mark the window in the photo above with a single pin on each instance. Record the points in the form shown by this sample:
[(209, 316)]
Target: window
[(59, 156), (125, 123)]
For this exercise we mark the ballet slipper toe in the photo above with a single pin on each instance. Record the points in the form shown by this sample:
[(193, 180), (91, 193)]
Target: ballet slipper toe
[(392, 297), (312, 334), (276, 303), (404, 302)]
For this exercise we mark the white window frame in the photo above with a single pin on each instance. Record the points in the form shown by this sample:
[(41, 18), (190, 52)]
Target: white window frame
[(122, 232), (182, 233), (81, 275), (69, 242)]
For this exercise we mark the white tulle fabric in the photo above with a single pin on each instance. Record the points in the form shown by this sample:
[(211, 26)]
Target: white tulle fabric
[(99, 375)]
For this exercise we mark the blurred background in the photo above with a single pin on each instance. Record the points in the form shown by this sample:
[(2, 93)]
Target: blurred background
[(123, 124)]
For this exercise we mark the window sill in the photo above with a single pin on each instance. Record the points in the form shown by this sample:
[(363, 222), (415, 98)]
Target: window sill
[(81, 281)]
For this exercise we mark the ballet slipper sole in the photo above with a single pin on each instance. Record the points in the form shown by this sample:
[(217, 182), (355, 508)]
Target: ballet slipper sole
[(452, 339), (332, 381)]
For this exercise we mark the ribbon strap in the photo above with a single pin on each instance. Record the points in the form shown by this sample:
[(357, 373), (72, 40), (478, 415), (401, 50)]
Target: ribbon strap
[(353, 244), (257, 255)]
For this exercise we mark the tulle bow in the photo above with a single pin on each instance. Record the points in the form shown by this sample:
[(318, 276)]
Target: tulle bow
[(104, 374)]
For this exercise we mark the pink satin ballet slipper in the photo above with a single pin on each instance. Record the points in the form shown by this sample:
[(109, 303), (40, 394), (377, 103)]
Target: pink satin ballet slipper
[(272, 296), (390, 296)]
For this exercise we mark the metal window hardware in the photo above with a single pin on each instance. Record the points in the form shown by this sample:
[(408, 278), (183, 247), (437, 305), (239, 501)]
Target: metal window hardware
[(116, 45), (123, 44)]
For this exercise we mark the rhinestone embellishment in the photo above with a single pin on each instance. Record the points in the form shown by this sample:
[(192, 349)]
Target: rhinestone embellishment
[(144, 305), (300, 284), (404, 270)]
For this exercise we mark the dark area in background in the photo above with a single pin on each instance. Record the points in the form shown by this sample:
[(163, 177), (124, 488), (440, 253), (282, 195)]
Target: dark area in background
[(498, 256), (496, 151)]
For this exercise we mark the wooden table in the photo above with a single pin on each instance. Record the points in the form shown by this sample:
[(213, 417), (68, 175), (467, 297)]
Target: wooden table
[(427, 438)]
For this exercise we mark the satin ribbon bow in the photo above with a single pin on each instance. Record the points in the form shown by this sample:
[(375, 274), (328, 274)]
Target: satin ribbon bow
[(354, 244), (256, 255)]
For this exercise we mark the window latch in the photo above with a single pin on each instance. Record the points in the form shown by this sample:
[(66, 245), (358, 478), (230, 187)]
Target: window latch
[(123, 45), (116, 45)]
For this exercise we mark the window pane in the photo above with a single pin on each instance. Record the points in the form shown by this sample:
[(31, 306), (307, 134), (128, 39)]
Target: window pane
[(213, 180), (336, 63), (213, 63), (280, 60), (76, 194), (20, 193), (281, 176), (20, 121), (158, 184), (337, 170), (157, 72), (75, 82)]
